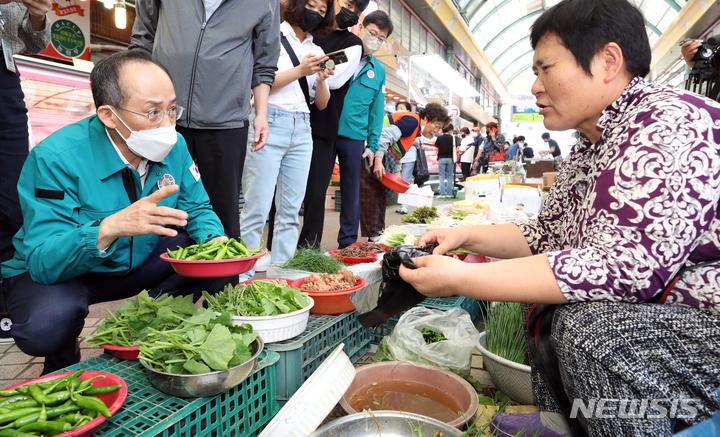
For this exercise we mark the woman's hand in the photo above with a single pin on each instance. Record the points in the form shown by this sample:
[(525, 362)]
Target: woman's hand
[(378, 168), (447, 239), (436, 276), (688, 51), (221, 238), (310, 64), (324, 74)]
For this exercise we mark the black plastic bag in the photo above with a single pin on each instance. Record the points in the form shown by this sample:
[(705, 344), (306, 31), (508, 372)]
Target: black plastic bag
[(395, 295)]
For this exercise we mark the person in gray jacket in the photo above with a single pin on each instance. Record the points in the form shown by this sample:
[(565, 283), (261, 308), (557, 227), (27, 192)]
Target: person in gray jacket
[(216, 52)]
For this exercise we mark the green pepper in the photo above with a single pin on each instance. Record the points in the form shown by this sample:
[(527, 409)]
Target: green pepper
[(93, 404), (90, 413), (102, 389), (13, 399), (14, 433), (71, 418), (82, 422), (240, 248), (47, 384), (170, 254), (22, 404), (6, 393), (43, 427), (37, 394), (221, 253), (33, 417), (88, 382), (17, 414), (23, 389)]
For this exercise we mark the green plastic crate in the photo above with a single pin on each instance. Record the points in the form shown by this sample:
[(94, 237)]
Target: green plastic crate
[(338, 200), (472, 306), (302, 355), (242, 411)]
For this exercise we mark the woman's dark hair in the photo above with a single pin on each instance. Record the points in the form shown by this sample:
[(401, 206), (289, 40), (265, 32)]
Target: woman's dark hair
[(490, 126), (381, 20), (105, 76), (407, 106), (435, 112), (465, 130), (585, 26), (448, 128), (294, 10)]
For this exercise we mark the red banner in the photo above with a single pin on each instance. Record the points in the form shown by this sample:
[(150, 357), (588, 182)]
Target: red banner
[(74, 9)]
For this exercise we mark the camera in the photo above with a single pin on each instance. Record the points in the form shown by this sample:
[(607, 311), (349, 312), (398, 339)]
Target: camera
[(705, 69)]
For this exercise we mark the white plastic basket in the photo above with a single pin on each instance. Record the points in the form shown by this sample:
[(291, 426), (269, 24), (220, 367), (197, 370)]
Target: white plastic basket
[(510, 377), (281, 327)]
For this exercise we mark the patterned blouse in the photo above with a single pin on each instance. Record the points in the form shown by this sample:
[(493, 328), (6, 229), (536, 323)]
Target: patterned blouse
[(627, 213)]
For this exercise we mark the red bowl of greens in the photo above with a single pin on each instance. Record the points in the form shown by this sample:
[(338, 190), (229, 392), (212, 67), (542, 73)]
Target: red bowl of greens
[(213, 268), (113, 400)]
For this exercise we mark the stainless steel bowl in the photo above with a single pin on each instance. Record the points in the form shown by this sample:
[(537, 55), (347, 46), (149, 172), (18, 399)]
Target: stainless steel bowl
[(206, 384), (388, 423)]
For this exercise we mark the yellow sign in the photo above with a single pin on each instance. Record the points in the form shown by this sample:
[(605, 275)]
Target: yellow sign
[(526, 118)]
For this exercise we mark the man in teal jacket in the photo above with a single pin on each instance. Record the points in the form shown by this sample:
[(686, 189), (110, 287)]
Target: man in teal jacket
[(96, 198), (361, 121)]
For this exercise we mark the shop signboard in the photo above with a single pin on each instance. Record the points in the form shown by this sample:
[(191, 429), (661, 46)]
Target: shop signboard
[(526, 117), (69, 30), (471, 107), (454, 111)]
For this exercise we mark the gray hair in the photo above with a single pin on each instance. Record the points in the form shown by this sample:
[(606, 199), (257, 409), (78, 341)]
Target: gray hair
[(105, 77)]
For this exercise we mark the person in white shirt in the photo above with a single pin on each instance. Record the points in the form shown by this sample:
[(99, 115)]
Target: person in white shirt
[(281, 167), (466, 147)]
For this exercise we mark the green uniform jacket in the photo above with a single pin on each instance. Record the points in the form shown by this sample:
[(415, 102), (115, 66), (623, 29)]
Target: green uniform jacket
[(363, 111), (73, 179)]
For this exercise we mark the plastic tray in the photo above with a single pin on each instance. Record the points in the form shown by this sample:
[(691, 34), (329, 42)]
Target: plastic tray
[(113, 400), (360, 243), (147, 412), (352, 259), (332, 302), (472, 306), (123, 352), (301, 356), (395, 183), (213, 269)]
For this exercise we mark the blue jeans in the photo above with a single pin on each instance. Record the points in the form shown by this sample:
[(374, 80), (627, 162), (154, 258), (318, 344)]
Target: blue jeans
[(282, 165), (447, 182)]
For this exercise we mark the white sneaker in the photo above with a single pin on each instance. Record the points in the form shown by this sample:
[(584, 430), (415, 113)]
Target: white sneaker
[(263, 263)]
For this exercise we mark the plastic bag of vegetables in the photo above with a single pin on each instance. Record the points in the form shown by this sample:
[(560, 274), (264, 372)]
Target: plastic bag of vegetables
[(441, 338)]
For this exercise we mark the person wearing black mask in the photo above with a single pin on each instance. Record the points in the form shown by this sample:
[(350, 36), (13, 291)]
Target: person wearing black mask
[(326, 123)]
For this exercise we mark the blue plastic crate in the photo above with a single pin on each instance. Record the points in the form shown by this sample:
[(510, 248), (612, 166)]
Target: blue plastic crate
[(302, 355), (242, 411), (472, 306)]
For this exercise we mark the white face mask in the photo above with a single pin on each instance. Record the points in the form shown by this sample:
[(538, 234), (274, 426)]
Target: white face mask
[(151, 144), (474, 134), (370, 44)]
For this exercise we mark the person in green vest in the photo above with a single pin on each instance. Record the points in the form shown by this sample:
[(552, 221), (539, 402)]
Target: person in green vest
[(361, 122), (101, 199)]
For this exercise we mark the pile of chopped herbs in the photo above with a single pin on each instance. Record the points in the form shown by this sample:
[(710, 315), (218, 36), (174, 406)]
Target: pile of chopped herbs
[(431, 336), (313, 260), (423, 215), (258, 298), (136, 316), (202, 343), (505, 332)]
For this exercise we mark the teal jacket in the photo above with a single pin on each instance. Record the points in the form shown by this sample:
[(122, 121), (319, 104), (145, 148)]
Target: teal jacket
[(71, 181), (363, 111)]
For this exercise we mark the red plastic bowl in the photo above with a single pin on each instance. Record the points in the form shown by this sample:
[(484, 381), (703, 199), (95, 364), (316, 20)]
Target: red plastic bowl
[(384, 246), (395, 183), (123, 352), (212, 269), (470, 257), (352, 259), (461, 256), (332, 302), (113, 400)]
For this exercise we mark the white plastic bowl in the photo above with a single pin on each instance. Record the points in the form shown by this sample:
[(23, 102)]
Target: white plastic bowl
[(281, 327), (315, 399)]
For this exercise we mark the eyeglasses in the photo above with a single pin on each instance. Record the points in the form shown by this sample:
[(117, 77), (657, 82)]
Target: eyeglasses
[(155, 115), (375, 35)]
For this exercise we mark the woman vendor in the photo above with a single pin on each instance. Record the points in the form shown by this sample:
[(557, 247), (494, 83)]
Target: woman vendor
[(624, 256)]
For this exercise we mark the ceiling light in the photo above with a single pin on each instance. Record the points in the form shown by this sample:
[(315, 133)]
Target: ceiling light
[(120, 15)]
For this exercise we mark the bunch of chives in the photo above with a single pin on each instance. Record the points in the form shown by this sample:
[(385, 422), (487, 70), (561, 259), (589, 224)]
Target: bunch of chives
[(505, 333)]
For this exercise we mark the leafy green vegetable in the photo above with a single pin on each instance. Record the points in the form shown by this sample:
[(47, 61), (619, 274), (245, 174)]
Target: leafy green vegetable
[(258, 298), (313, 260), (505, 331), (460, 215), (422, 215), (136, 316), (392, 240), (431, 336), (461, 250), (201, 344)]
